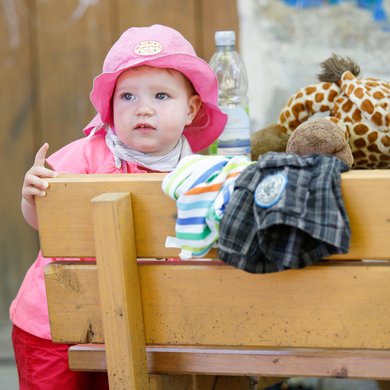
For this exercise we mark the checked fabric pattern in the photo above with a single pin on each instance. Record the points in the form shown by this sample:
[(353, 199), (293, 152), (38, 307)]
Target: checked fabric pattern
[(303, 221)]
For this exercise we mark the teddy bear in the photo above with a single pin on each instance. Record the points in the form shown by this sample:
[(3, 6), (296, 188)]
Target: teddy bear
[(272, 138), (315, 136), (360, 107), (308, 138)]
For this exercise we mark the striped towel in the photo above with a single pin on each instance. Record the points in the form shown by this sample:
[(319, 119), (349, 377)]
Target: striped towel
[(202, 187)]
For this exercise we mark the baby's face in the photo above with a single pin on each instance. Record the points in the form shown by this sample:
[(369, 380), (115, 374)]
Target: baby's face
[(151, 107)]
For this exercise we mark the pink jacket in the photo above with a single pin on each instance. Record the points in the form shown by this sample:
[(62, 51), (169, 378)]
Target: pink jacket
[(28, 310)]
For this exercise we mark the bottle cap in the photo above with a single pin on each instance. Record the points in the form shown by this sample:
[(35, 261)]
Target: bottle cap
[(225, 38)]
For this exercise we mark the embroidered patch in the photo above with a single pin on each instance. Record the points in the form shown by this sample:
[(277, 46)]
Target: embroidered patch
[(148, 48), (269, 191)]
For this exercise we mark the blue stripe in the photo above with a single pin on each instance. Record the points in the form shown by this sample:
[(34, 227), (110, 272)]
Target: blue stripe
[(203, 178), (226, 195), (191, 221), (195, 205)]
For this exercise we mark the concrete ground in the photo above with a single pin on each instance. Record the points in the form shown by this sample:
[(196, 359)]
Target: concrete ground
[(333, 384), (8, 372)]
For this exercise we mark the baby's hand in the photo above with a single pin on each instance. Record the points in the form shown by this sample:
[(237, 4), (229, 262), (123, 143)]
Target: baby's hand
[(34, 183)]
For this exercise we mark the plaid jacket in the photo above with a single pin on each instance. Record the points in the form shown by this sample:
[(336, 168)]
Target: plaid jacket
[(286, 212)]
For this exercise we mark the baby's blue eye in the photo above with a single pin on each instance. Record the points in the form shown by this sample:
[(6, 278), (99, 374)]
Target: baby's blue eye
[(127, 96), (162, 96)]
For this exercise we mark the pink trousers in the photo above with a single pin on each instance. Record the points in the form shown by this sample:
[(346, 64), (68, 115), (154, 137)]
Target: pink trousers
[(43, 365)]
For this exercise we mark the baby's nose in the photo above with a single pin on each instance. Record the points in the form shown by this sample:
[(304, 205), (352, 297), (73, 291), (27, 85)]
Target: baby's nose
[(144, 109)]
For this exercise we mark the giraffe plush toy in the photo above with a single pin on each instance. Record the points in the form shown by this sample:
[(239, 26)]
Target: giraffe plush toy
[(360, 106)]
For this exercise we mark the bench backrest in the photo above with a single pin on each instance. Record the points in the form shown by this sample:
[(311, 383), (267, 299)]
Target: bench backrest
[(66, 213), (121, 218)]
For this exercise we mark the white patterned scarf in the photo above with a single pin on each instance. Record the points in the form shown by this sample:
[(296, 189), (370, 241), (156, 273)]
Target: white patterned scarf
[(165, 163)]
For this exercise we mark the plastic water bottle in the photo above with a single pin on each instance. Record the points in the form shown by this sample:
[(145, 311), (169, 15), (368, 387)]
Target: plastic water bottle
[(233, 99)]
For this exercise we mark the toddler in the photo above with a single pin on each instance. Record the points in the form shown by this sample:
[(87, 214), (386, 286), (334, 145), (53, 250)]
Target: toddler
[(156, 103)]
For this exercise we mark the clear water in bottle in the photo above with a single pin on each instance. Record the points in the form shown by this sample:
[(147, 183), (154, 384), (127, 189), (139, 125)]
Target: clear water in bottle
[(233, 86)]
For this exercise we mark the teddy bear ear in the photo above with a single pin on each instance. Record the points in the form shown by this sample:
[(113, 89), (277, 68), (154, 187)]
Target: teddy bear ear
[(369, 103), (272, 138)]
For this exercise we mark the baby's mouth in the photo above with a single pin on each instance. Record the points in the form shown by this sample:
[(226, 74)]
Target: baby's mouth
[(144, 127)]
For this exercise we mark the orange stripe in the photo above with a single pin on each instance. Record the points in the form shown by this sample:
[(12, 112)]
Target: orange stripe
[(233, 174), (201, 190), (211, 188)]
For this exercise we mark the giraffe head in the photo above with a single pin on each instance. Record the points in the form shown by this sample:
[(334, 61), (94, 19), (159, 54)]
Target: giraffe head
[(360, 106)]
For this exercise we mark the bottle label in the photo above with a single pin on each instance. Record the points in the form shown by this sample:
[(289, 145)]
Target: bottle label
[(235, 139)]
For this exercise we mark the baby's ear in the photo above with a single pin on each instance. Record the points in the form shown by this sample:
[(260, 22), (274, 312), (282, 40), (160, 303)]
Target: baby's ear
[(194, 104)]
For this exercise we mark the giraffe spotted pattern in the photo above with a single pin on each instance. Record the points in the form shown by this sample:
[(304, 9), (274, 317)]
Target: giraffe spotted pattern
[(361, 107)]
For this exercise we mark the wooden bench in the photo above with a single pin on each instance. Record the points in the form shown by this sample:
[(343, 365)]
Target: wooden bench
[(134, 318)]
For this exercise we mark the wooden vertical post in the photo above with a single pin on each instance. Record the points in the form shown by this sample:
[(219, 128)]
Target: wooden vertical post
[(120, 291)]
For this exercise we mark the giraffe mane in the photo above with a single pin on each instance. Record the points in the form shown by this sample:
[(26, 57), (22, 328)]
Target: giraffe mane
[(335, 66)]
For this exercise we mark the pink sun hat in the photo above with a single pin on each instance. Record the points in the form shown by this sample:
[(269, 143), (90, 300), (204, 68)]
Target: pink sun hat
[(161, 47)]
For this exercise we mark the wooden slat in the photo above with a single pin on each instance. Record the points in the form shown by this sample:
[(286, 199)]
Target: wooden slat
[(336, 305), (363, 364), (177, 14), (214, 16), (79, 281), (119, 291), (74, 223), (18, 137), (196, 20), (65, 213), (87, 357), (73, 40), (365, 196)]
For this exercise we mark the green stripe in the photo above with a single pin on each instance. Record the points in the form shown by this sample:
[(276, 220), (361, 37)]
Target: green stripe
[(178, 172), (197, 251), (194, 236)]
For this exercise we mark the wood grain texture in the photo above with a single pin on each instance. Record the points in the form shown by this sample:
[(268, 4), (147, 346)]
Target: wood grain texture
[(18, 138), (72, 42), (326, 306), (216, 15), (203, 316), (74, 221), (335, 363), (119, 291), (178, 14), (365, 195)]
